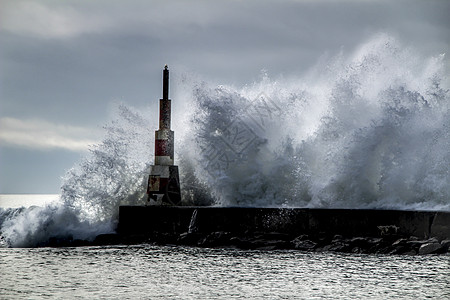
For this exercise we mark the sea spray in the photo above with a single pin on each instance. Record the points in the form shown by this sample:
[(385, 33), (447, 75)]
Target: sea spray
[(365, 130), (370, 130), (115, 171), (36, 226), (112, 174)]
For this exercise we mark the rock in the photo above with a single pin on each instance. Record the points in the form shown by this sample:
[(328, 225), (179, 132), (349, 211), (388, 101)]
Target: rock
[(357, 250), (430, 248), (267, 248), (399, 242), (382, 250), (415, 245), (305, 245), (188, 238), (338, 237), (323, 238), (400, 249), (261, 243), (271, 244), (410, 252), (433, 240), (388, 230), (362, 243), (163, 238), (242, 242), (302, 237), (215, 239), (366, 244), (446, 244), (338, 247), (375, 244), (404, 246), (375, 241)]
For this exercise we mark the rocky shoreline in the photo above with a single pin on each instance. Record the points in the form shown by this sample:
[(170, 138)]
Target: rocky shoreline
[(361, 231), (388, 244)]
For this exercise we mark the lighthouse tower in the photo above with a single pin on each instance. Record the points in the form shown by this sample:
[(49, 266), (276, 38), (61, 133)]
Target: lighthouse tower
[(163, 183)]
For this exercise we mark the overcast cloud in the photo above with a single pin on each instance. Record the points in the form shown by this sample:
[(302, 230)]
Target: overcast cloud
[(39, 134), (62, 63)]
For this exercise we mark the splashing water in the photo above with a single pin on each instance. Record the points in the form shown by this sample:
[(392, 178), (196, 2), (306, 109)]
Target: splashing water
[(368, 130), (116, 170), (111, 175)]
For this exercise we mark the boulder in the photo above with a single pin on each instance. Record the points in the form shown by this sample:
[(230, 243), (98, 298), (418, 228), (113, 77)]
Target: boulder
[(337, 237), (357, 250), (306, 245), (242, 242), (433, 240), (415, 245), (338, 247), (388, 230), (271, 244), (399, 249), (215, 239), (430, 248), (360, 242), (399, 242), (363, 244), (446, 244), (410, 252), (302, 237), (188, 238)]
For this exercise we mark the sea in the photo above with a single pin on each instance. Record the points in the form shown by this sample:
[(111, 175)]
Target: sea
[(367, 129), (149, 271)]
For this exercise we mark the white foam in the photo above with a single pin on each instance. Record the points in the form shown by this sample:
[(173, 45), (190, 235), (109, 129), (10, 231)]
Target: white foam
[(370, 131)]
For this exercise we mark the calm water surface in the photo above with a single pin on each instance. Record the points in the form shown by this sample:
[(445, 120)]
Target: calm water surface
[(155, 272)]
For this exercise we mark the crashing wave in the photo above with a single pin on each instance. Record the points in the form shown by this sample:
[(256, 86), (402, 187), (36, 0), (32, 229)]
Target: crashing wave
[(368, 130)]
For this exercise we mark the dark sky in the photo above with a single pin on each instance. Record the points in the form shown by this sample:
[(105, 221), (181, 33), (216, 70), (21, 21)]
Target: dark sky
[(63, 63)]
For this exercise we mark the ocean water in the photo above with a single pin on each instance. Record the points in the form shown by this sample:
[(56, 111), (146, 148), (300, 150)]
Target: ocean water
[(164, 272)]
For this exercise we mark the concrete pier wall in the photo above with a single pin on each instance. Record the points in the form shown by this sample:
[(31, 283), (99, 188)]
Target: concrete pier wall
[(291, 221)]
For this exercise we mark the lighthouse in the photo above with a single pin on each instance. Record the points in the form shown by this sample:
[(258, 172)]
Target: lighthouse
[(163, 183)]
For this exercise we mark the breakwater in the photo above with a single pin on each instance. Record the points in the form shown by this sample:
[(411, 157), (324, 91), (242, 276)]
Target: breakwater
[(343, 230)]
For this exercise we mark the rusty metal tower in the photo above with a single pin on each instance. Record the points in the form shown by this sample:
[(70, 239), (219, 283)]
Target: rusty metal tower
[(164, 183)]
